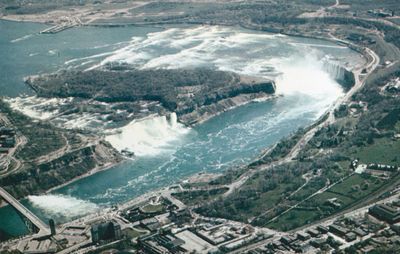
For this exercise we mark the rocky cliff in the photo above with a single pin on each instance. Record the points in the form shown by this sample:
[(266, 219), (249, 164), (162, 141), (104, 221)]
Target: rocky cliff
[(343, 76)]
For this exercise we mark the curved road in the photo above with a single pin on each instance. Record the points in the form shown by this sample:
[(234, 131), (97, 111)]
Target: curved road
[(359, 83)]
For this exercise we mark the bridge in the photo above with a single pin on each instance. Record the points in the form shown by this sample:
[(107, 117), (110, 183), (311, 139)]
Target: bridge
[(38, 225)]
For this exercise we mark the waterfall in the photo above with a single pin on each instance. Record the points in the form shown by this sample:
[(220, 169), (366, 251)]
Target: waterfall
[(334, 69), (339, 73), (150, 136)]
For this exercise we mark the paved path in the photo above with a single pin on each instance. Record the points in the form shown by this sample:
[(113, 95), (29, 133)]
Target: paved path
[(359, 82)]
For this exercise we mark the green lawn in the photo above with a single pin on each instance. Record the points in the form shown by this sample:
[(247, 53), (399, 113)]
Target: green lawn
[(348, 187), (342, 191), (294, 218), (265, 201), (195, 197), (320, 199), (384, 151), (132, 233), (150, 208), (344, 165)]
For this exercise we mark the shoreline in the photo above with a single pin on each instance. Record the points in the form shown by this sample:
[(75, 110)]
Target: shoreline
[(203, 118), (111, 165), (262, 97), (93, 171), (6, 18)]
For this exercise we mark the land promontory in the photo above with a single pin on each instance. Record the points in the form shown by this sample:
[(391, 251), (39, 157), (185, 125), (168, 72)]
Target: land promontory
[(194, 94)]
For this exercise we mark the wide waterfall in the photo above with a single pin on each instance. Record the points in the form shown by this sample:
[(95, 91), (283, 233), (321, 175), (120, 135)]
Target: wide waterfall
[(149, 136), (339, 73)]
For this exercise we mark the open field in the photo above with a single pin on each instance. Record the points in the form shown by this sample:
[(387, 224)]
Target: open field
[(346, 193), (382, 151)]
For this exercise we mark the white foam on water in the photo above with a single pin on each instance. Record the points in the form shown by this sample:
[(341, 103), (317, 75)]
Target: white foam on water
[(150, 136), (52, 52), (22, 38), (306, 74), (88, 57), (36, 107), (191, 47), (297, 67), (81, 121), (318, 45), (62, 206)]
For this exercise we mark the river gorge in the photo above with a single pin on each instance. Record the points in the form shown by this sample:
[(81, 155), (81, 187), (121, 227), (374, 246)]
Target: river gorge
[(168, 151)]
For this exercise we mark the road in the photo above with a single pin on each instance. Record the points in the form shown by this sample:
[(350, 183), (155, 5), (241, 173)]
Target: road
[(43, 228), (359, 83), (21, 141), (320, 191)]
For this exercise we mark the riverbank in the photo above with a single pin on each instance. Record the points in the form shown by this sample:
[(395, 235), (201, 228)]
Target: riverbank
[(233, 186), (226, 107), (205, 113), (90, 173)]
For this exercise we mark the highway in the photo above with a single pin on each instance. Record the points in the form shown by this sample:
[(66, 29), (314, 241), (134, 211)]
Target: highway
[(43, 228)]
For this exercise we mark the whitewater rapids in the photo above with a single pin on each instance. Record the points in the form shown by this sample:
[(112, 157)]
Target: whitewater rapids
[(166, 150), (150, 136)]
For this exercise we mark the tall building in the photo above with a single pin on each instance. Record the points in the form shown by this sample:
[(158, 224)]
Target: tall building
[(386, 213), (52, 227), (105, 231)]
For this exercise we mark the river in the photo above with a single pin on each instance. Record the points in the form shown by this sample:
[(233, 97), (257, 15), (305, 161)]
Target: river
[(233, 138)]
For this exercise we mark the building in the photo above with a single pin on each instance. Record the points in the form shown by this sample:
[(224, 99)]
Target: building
[(303, 236), (151, 224), (161, 244), (351, 236), (317, 242), (322, 229), (385, 213), (106, 231), (338, 230), (180, 216), (3, 150), (360, 232), (52, 227), (313, 232), (7, 131), (288, 239)]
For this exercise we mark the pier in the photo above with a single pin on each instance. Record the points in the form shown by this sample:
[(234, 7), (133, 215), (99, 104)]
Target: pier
[(68, 23)]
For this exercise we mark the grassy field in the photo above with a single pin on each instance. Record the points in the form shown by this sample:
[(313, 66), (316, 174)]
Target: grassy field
[(357, 186), (347, 193), (195, 197), (384, 151), (295, 218), (132, 233), (321, 199), (150, 208)]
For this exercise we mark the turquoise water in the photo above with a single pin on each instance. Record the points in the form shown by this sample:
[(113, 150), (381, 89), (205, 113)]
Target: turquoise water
[(25, 52), (230, 139)]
